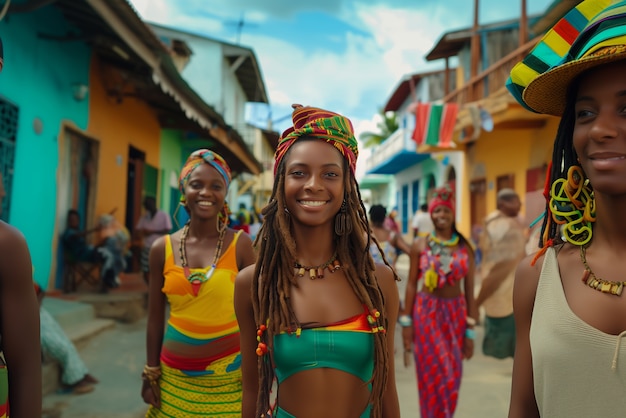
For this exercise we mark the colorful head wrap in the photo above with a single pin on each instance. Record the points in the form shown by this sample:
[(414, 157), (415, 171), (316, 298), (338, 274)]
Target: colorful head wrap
[(323, 124), (443, 196), (591, 34), (198, 157)]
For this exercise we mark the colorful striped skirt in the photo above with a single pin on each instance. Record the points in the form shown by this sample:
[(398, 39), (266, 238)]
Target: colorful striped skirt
[(439, 332), (186, 394)]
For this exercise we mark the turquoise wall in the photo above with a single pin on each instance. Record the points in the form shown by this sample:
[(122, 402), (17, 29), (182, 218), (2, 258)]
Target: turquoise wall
[(172, 159), (38, 76)]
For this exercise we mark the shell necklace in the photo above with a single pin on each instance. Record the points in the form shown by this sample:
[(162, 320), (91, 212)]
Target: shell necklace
[(197, 278)]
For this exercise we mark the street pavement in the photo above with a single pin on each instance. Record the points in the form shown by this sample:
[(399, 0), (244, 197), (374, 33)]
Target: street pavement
[(116, 358)]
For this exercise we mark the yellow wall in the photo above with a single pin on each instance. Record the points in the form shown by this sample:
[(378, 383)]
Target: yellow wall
[(116, 125), (502, 152)]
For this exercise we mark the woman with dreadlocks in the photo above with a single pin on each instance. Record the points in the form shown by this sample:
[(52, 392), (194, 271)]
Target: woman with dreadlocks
[(438, 320), (194, 362), (316, 312), (570, 311)]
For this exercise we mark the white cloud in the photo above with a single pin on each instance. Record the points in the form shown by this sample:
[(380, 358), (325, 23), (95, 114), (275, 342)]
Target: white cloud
[(392, 39)]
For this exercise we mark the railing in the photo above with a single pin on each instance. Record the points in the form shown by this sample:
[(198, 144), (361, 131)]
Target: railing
[(396, 143), (491, 80)]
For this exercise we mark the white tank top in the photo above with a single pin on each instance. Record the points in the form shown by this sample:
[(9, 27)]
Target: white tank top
[(578, 370)]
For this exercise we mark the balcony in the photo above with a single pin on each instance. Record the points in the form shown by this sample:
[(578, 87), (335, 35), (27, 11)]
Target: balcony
[(490, 81), (394, 154)]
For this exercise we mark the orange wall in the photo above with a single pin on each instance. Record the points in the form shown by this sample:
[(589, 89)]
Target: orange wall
[(116, 126)]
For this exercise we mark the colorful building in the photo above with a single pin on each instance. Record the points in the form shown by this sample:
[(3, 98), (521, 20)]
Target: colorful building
[(95, 116)]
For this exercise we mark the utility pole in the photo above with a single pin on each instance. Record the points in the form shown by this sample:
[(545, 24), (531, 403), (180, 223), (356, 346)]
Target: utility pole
[(474, 48), (523, 25)]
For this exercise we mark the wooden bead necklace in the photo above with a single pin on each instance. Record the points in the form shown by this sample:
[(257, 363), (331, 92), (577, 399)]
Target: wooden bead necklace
[(197, 278), (601, 285), (317, 272)]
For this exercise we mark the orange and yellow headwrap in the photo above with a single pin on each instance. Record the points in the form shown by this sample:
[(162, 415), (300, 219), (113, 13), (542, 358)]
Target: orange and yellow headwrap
[(198, 157), (323, 124)]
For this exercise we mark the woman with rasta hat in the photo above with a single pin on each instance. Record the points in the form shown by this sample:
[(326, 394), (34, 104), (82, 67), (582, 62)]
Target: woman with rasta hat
[(569, 306), (438, 320), (316, 312), (193, 365)]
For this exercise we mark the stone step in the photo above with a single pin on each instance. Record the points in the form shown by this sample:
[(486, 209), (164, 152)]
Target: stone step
[(68, 312), (127, 307), (80, 325)]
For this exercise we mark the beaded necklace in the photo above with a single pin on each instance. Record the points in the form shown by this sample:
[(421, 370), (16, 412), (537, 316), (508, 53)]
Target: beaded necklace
[(317, 272), (454, 240), (601, 285), (442, 250), (197, 278)]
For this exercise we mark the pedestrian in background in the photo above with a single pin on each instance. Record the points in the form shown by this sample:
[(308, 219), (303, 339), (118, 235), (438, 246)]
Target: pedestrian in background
[(20, 362), (315, 312), (152, 224), (570, 312), (422, 223), (389, 242), (193, 367), (438, 320), (503, 243)]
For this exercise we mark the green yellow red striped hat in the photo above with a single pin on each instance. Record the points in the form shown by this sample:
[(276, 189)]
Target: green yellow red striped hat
[(591, 34)]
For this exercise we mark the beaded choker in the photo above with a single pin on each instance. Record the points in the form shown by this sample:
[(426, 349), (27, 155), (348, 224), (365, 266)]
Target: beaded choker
[(454, 240), (317, 272), (601, 285), (197, 278)]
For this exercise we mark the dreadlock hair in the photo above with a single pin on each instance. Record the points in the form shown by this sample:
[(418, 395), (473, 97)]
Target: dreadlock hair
[(570, 206), (274, 276)]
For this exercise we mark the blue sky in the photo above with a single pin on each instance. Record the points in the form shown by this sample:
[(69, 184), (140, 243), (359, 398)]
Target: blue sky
[(343, 55)]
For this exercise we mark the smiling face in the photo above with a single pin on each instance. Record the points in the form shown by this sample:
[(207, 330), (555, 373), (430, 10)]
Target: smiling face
[(205, 192), (314, 182), (599, 136), (442, 217)]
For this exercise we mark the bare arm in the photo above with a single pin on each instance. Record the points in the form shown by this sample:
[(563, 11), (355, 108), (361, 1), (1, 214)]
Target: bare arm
[(411, 290), (411, 286), (401, 244), (156, 314), (245, 252), (389, 287), (470, 304), (494, 279), (523, 403), (19, 320), (247, 335)]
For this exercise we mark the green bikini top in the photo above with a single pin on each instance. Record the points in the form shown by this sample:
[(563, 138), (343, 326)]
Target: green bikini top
[(346, 345)]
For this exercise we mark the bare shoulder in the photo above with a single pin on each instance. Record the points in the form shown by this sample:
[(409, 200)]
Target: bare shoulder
[(386, 279), (9, 236), (526, 280), (13, 245), (245, 276)]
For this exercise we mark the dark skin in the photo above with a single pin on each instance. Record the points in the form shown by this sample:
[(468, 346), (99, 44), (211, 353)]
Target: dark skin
[(599, 136), (20, 338), (443, 219), (315, 174), (205, 184)]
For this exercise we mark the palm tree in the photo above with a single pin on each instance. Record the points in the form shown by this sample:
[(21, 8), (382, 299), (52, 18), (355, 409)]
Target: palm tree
[(386, 126)]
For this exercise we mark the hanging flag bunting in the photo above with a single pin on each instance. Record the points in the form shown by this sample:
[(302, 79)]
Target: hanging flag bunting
[(434, 124)]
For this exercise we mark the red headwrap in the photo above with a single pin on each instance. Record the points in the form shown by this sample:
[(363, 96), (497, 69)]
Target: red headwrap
[(444, 196), (312, 122)]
